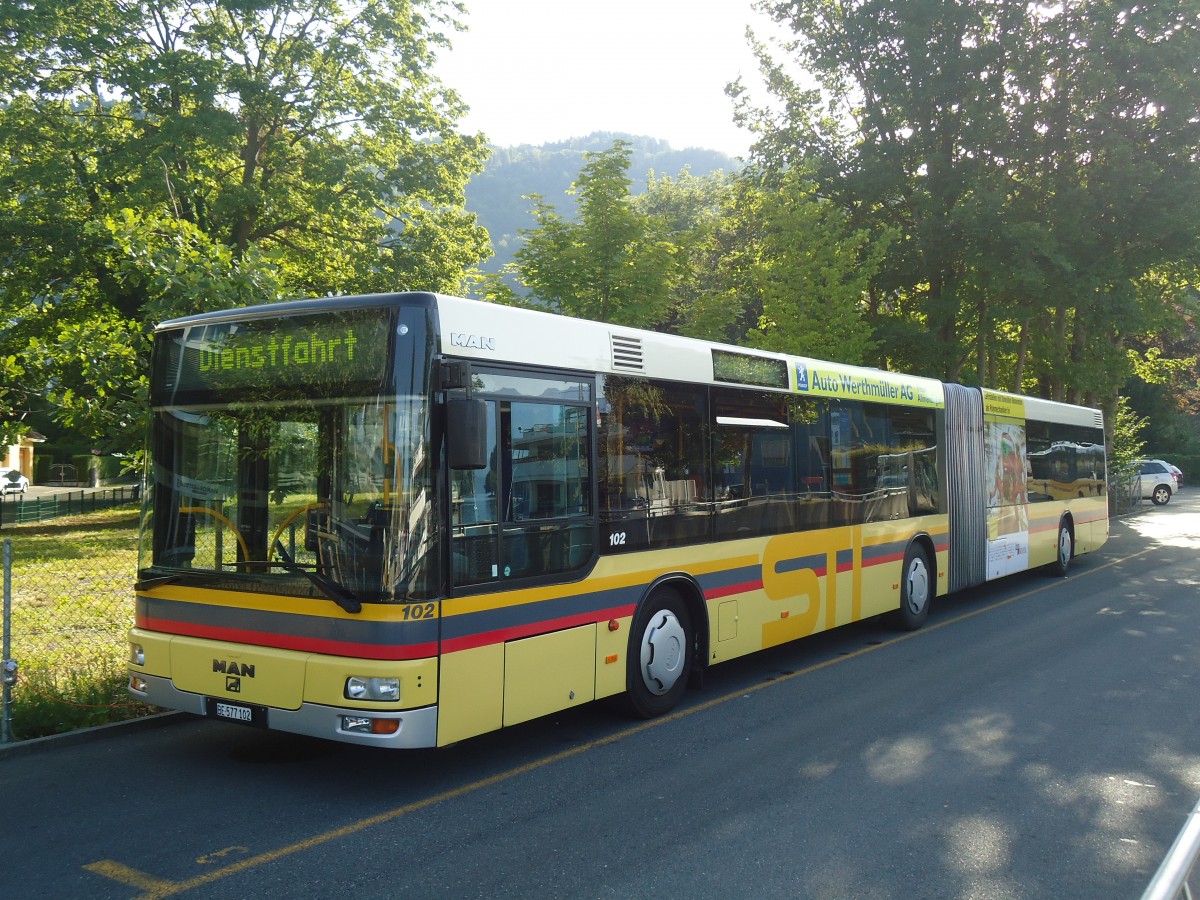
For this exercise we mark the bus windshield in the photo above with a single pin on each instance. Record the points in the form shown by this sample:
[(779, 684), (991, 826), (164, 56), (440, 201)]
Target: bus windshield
[(298, 490)]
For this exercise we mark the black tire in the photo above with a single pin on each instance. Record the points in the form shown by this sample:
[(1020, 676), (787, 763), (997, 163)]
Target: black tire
[(1065, 552), (660, 654), (918, 583), (1161, 495)]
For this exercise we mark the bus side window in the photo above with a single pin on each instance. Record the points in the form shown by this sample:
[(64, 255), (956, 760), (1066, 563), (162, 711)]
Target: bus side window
[(653, 464), (754, 471)]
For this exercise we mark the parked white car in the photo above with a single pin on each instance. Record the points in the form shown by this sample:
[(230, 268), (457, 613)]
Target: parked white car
[(1155, 481), (13, 482)]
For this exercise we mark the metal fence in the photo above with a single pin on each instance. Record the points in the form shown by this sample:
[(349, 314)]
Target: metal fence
[(67, 607), (22, 510), (1123, 494), (1174, 874)]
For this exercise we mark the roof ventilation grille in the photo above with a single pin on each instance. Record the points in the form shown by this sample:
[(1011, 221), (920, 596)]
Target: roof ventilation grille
[(627, 353)]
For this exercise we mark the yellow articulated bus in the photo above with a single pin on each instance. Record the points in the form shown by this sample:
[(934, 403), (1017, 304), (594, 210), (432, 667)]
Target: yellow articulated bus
[(406, 519)]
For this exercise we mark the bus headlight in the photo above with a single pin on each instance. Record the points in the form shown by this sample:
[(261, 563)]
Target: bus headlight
[(359, 687), (137, 654)]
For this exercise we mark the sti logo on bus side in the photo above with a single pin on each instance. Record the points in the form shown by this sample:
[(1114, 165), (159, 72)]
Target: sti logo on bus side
[(476, 341)]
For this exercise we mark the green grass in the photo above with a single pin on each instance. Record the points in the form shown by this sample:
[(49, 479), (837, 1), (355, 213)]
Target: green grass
[(73, 601)]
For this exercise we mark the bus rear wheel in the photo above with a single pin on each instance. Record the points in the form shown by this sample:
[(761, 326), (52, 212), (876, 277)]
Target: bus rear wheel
[(1066, 550), (660, 655), (917, 587)]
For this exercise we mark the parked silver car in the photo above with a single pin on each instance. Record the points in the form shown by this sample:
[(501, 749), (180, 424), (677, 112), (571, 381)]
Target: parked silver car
[(1175, 471), (1156, 482)]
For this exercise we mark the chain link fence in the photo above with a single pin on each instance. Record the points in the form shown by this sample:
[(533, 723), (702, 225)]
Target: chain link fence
[(1123, 494), (19, 510), (67, 607)]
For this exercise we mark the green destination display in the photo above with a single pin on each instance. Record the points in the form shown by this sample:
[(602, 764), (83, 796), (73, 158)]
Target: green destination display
[(290, 352), (333, 353), (744, 368)]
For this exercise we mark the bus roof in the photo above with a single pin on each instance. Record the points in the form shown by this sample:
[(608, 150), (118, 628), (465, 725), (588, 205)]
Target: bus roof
[(484, 331), (477, 330)]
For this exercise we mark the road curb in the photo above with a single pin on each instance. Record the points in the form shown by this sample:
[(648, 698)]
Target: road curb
[(95, 733)]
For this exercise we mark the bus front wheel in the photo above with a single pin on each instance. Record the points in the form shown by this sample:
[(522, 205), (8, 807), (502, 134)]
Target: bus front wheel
[(660, 654), (917, 587)]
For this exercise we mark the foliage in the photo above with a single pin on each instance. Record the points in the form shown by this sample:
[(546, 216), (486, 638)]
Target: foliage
[(1127, 443), (814, 275), (96, 376), (1165, 385), (702, 216), (178, 269), (1022, 154), (512, 173), (743, 258), (46, 702), (611, 263), (160, 157)]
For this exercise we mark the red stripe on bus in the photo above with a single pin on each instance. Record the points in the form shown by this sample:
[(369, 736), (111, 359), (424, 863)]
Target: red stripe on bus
[(516, 632), (730, 589), (875, 561), (289, 642)]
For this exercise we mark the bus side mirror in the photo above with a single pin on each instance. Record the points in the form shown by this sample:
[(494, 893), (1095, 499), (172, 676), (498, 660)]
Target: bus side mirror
[(466, 434)]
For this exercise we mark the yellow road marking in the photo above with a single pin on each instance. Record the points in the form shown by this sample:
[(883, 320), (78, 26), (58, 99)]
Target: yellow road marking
[(156, 887), (132, 877), (220, 854)]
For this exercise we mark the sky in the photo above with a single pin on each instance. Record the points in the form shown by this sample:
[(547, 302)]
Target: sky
[(536, 71)]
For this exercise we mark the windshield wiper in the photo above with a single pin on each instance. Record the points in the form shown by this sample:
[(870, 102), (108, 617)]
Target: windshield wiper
[(334, 592)]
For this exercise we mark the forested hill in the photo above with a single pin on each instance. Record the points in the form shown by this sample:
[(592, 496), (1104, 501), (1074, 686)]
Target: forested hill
[(497, 194)]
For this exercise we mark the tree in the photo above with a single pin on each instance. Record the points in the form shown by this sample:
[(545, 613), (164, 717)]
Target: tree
[(304, 145), (611, 263), (814, 273), (1124, 451), (763, 260), (699, 216), (1165, 384), (1034, 162)]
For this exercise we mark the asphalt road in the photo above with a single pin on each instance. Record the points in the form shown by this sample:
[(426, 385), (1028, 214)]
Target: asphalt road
[(1039, 738)]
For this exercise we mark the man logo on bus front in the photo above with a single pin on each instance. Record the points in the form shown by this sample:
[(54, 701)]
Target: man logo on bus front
[(475, 341)]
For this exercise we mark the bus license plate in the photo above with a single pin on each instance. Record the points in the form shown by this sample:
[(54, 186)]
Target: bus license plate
[(242, 713)]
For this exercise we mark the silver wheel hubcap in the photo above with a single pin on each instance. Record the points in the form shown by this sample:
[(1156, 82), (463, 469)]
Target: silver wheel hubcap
[(1064, 547), (918, 585), (663, 652)]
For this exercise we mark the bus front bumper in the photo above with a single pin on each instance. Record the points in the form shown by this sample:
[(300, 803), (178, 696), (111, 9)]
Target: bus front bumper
[(416, 728)]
